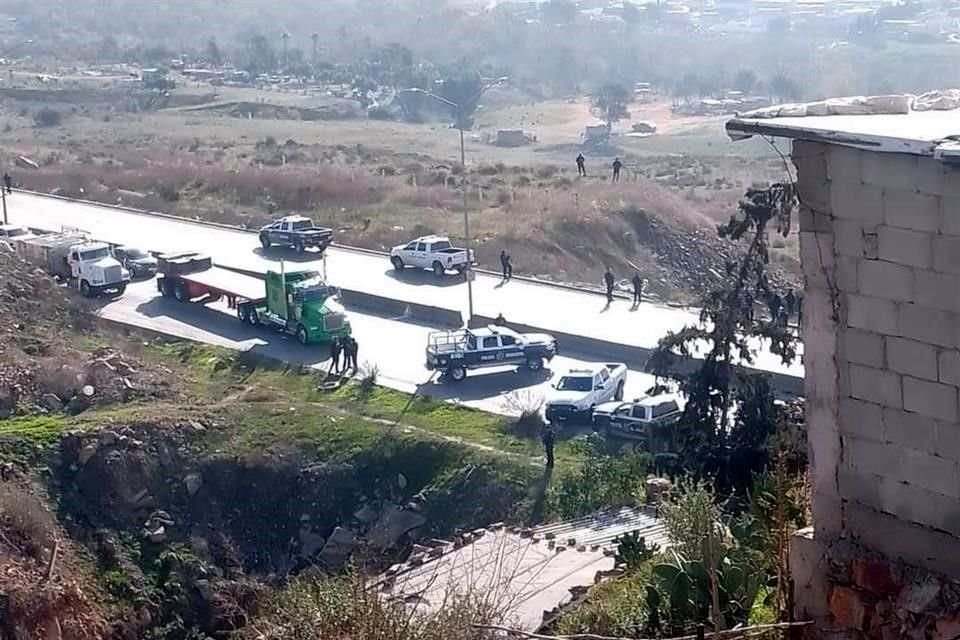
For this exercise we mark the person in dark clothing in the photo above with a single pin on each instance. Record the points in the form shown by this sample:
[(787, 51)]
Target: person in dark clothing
[(790, 303), (617, 165), (799, 304), (336, 347), (350, 351), (581, 166), (548, 438), (773, 304), (500, 321), (637, 288), (8, 182), (506, 265), (608, 280)]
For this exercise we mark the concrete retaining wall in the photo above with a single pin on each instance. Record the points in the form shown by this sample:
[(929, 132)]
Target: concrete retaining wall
[(390, 308)]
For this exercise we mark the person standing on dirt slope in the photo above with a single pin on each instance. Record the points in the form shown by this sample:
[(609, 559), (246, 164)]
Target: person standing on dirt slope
[(608, 280), (637, 288), (505, 264), (617, 165), (7, 182), (335, 348), (548, 438), (581, 166)]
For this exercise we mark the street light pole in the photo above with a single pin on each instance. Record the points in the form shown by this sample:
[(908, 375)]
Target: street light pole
[(3, 196)]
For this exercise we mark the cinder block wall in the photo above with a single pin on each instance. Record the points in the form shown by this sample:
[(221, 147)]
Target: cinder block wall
[(880, 245)]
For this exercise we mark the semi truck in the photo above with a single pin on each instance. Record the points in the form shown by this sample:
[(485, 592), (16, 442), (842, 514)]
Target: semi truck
[(72, 257), (299, 303)]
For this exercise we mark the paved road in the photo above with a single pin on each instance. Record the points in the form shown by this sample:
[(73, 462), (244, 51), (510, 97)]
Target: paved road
[(540, 305), (396, 346)]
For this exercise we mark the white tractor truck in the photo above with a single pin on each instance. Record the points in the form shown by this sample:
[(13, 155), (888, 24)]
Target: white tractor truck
[(72, 257)]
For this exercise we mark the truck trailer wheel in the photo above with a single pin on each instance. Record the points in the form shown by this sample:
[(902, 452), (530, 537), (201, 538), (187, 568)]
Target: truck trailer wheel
[(534, 363), (619, 394), (265, 241), (242, 313), (253, 318), (438, 269), (397, 263), (180, 292), (121, 289), (85, 289), (457, 373), (299, 248), (302, 336)]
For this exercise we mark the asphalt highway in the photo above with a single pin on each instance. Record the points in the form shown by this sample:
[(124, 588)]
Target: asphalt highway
[(522, 301), (395, 346)]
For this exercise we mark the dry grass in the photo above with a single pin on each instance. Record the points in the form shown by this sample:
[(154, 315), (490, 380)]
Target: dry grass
[(25, 522)]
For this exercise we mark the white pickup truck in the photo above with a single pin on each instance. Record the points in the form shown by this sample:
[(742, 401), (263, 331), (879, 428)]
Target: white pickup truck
[(575, 394), (431, 252)]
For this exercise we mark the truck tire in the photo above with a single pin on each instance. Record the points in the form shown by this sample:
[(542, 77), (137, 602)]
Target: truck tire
[(265, 241), (438, 269), (397, 263), (534, 363), (253, 318), (299, 248), (121, 289), (242, 313), (166, 288), (457, 373), (302, 336), (619, 393), (85, 289), (180, 292)]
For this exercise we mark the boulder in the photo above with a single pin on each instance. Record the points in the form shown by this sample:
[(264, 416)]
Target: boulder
[(310, 542), (192, 482), (338, 548), (367, 514), (87, 452), (393, 524)]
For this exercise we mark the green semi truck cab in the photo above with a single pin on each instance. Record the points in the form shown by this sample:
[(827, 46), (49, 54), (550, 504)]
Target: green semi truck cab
[(301, 303)]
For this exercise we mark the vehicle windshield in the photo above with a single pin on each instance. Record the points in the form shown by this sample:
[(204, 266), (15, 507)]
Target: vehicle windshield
[(13, 232), (315, 293), (570, 383), (440, 246), (301, 224), (94, 254), (136, 254)]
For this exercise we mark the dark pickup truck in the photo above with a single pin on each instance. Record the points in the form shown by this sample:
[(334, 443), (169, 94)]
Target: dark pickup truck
[(296, 232)]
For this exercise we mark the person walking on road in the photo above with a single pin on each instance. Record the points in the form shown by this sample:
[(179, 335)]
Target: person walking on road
[(548, 438), (581, 166), (608, 280), (336, 347), (617, 165), (7, 182), (637, 288), (506, 265)]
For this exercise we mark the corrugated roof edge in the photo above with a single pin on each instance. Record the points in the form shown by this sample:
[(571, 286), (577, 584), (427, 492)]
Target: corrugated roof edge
[(740, 129)]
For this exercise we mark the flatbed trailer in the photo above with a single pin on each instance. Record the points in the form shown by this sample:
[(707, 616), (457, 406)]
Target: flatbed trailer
[(307, 309)]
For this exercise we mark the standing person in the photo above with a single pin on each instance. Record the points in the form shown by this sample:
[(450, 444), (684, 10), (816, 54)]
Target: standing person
[(351, 352), (774, 304), (500, 321), (581, 166), (7, 182), (506, 265), (790, 303), (799, 311), (637, 288), (617, 165), (336, 347), (548, 438), (608, 281)]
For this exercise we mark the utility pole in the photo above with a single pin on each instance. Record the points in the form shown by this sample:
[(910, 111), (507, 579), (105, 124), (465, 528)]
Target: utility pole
[(3, 196)]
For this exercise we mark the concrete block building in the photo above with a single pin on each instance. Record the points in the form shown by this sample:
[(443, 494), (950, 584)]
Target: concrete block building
[(880, 248)]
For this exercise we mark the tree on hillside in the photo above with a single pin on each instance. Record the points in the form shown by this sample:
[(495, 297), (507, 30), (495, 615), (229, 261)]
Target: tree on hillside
[(212, 53), (464, 89), (712, 444), (559, 11), (745, 81), (611, 101), (784, 88), (259, 56)]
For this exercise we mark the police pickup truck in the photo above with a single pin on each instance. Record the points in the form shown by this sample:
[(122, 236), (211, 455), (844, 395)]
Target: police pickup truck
[(453, 352), (431, 252), (297, 232), (575, 394), (634, 419)]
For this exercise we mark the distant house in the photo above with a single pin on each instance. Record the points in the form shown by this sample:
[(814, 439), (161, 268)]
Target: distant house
[(511, 138), (596, 131)]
